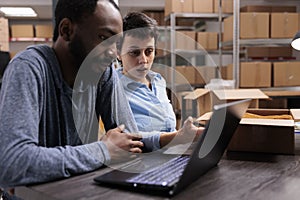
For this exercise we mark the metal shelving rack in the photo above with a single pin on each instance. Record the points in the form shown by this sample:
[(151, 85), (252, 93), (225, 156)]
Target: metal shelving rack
[(237, 43), (173, 17)]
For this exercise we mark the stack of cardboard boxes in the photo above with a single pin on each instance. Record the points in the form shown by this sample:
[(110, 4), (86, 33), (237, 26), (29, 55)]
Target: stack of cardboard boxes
[(197, 6), (4, 32), (262, 22), (43, 31), (266, 22), (22, 31), (28, 34), (31, 31)]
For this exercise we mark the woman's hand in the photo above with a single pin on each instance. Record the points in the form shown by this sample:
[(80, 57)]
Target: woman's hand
[(189, 132)]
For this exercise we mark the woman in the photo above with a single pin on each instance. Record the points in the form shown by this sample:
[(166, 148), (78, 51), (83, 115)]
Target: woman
[(145, 89)]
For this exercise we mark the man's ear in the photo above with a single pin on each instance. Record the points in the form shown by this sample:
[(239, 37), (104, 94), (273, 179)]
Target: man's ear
[(65, 29)]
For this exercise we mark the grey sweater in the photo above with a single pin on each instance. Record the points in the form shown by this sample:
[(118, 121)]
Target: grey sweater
[(38, 138)]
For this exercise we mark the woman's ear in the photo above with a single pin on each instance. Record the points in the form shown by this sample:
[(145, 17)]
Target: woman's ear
[(66, 29)]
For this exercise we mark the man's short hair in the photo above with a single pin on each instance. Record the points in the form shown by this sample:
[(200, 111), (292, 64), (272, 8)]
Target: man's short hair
[(74, 10)]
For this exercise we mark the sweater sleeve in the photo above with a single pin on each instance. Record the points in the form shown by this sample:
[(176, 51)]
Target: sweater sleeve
[(23, 161)]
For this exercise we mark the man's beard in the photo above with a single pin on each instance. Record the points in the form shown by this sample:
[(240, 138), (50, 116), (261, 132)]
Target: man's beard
[(78, 51)]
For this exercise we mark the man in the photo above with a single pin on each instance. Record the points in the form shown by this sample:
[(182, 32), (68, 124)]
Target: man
[(39, 138)]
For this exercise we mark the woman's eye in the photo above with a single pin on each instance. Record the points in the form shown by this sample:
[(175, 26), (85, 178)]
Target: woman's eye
[(134, 53), (149, 51)]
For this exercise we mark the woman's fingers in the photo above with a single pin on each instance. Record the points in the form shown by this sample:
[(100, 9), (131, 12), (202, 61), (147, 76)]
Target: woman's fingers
[(136, 144), (135, 150)]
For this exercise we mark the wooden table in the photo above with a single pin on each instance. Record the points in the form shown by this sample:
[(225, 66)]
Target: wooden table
[(238, 176)]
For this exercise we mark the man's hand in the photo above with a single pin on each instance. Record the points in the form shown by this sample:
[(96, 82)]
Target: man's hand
[(120, 144)]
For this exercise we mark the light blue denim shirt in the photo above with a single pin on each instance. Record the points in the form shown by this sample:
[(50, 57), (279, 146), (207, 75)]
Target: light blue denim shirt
[(151, 108)]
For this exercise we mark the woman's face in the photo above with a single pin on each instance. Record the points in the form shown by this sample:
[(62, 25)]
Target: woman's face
[(137, 56)]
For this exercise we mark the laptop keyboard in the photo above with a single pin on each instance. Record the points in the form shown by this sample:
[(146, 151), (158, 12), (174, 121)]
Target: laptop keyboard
[(165, 174)]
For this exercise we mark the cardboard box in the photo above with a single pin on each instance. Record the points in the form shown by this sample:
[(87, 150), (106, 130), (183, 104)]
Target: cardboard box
[(178, 6), (186, 40), (4, 31), (43, 31), (296, 114), (269, 52), (207, 40), (253, 25), (256, 8), (3, 21), (278, 98), (22, 31), (203, 6), (264, 135), (274, 103), (283, 25), (298, 23), (255, 74), (268, 8), (286, 74), (203, 74), (281, 51), (4, 45), (208, 98), (4, 28), (227, 72), (199, 75), (177, 105), (183, 74), (252, 74), (4, 34), (227, 6), (283, 8), (223, 72)]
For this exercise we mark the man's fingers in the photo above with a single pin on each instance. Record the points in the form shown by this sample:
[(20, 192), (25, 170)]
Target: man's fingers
[(134, 136), (121, 127)]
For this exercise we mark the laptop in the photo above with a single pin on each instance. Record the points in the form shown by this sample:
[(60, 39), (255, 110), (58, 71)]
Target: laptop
[(164, 174)]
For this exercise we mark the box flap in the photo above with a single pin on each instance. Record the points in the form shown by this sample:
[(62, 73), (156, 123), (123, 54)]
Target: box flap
[(268, 111), (236, 94), (196, 94), (267, 122), (204, 117), (282, 93), (296, 114)]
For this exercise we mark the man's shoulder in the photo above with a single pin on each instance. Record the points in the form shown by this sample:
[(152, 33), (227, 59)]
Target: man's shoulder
[(34, 53), (33, 62)]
